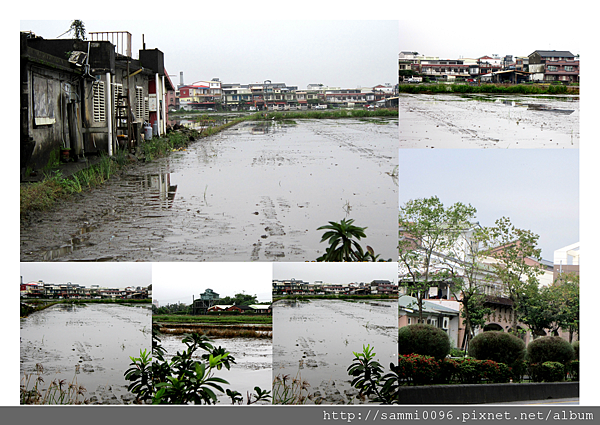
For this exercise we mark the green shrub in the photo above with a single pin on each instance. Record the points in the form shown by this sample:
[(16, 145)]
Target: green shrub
[(547, 372), (519, 370), (417, 369), (495, 372), (423, 339), (573, 370), (576, 349), (468, 371), (550, 349), (455, 352), (500, 347), (449, 369)]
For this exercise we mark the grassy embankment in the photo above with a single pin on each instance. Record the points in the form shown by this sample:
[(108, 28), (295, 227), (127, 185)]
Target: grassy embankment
[(330, 114), (55, 187), (216, 326), (549, 89)]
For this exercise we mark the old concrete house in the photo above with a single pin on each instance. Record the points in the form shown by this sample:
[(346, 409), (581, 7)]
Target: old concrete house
[(87, 96)]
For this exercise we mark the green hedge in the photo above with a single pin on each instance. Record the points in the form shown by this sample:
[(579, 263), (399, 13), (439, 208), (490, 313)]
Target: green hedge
[(498, 346), (423, 339), (550, 349), (415, 369), (547, 372)]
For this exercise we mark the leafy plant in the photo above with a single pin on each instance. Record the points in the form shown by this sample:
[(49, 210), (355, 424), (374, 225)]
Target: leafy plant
[(184, 380), (370, 380), (342, 238), (140, 377)]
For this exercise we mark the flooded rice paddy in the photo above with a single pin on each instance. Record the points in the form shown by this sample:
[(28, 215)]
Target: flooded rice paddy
[(253, 357), (90, 344), (489, 121), (254, 192), (314, 340)]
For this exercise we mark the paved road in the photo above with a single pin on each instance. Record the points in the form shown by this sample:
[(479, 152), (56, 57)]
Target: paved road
[(547, 402)]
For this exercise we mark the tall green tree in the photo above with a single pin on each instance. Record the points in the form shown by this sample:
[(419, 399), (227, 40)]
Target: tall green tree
[(428, 232), (539, 309), (469, 275), (239, 299), (515, 261), (566, 286), (552, 307)]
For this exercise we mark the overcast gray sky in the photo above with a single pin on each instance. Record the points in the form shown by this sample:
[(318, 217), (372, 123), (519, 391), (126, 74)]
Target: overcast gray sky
[(179, 282), (335, 53), (113, 275), (538, 189), (336, 272), (454, 38)]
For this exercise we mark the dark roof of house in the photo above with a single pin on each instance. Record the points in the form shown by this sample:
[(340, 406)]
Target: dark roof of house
[(498, 300), (555, 53)]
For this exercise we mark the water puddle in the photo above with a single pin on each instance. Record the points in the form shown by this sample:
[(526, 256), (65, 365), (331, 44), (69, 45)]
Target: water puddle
[(489, 121), (315, 340), (254, 192), (87, 344)]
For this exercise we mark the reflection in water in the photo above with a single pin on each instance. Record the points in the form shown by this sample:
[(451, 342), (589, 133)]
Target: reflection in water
[(90, 343), (237, 196), (315, 340)]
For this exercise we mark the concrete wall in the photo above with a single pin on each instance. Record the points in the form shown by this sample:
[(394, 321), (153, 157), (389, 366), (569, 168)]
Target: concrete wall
[(487, 393)]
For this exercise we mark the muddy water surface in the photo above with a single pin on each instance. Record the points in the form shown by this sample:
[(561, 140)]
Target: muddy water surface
[(89, 343), (315, 340), (255, 192), (253, 357), (489, 121)]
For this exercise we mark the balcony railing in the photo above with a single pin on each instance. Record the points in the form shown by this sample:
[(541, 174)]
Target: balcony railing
[(120, 39)]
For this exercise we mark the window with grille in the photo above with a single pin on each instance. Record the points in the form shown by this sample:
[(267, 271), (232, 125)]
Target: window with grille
[(99, 101), (117, 91), (140, 105)]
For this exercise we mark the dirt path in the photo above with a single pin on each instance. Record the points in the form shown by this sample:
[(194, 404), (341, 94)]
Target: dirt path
[(246, 194)]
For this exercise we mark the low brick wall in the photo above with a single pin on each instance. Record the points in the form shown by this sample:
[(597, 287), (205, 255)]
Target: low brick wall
[(487, 393)]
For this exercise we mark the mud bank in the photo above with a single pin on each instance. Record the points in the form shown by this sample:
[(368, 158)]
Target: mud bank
[(255, 192), (90, 344), (253, 365), (489, 121), (315, 340)]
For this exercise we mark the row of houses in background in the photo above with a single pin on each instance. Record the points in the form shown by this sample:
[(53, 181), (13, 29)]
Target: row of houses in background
[(252, 309), (539, 66), (442, 309), (42, 290), (215, 95), (87, 97), (209, 303), (299, 287)]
